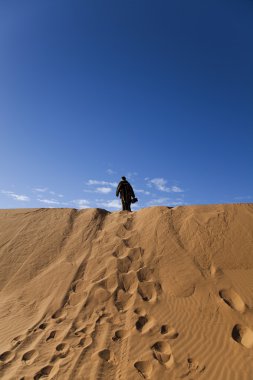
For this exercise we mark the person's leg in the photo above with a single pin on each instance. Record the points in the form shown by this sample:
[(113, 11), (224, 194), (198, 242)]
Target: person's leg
[(129, 206), (124, 205)]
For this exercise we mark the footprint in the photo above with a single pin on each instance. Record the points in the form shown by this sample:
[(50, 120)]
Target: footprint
[(243, 335), (144, 274), (7, 357), (135, 254), (147, 291), (124, 264), (120, 335), (51, 335), (74, 299), (85, 342), (60, 314), (110, 283), (128, 281), (44, 372), (81, 331), (77, 286), (145, 368), (144, 324), (43, 326), (195, 366), (232, 299), (216, 271), (107, 355), (29, 357), (122, 300), (17, 340), (140, 311), (162, 353), (170, 332), (63, 349)]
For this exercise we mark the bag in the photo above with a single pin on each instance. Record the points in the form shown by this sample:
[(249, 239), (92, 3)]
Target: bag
[(134, 200)]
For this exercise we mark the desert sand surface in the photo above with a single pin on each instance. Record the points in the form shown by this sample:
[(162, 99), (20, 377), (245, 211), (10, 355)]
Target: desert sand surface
[(161, 293)]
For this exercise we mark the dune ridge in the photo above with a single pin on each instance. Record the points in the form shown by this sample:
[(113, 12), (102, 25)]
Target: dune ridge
[(162, 293)]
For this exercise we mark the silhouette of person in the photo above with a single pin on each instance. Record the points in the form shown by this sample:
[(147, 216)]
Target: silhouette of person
[(126, 193)]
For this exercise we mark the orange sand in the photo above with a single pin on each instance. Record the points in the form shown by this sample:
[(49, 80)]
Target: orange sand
[(156, 294)]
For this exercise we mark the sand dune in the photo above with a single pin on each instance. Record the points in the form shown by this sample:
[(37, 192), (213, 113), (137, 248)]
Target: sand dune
[(156, 294)]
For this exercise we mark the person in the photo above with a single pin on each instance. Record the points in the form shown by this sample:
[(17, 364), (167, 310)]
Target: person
[(126, 193)]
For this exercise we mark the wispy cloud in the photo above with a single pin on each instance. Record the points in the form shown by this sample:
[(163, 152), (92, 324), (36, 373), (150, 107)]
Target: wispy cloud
[(40, 189), (46, 190), (131, 175), (81, 203), (49, 201), (161, 184), (56, 194), (243, 198), (110, 172), (101, 183), (103, 190), (157, 201), (141, 191), (16, 197), (164, 201), (114, 203)]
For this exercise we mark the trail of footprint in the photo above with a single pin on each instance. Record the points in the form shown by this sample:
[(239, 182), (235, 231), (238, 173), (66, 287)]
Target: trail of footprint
[(145, 368), (231, 298), (243, 335), (29, 357), (162, 352)]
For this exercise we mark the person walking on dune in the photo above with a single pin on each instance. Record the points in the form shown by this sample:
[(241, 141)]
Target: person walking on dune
[(126, 194)]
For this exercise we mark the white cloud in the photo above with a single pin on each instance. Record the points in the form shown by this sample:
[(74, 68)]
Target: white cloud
[(49, 201), (110, 172), (105, 183), (176, 189), (164, 202), (56, 194), (243, 198), (45, 189), (131, 174), (114, 203), (103, 190), (16, 197), (179, 203), (81, 203), (40, 189), (161, 184), (141, 191), (157, 201)]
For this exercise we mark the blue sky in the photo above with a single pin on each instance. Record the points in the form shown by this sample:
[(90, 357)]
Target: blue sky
[(160, 92)]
